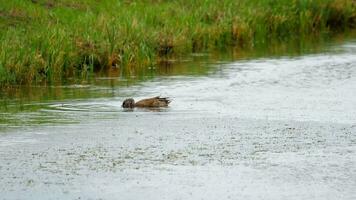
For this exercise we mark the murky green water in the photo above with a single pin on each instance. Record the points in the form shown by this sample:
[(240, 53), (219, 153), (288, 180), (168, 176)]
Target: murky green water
[(273, 123)]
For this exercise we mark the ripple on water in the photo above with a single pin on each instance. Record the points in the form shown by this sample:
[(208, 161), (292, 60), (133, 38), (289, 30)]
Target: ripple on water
[(281, 128)]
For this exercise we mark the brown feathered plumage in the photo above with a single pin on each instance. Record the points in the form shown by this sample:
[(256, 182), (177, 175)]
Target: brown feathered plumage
[(151, 102)]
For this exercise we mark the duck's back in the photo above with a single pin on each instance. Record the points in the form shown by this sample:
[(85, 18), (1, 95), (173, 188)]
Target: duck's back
[(153, 102)]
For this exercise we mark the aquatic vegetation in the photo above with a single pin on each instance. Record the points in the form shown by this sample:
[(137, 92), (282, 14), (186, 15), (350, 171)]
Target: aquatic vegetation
[(47, 41)]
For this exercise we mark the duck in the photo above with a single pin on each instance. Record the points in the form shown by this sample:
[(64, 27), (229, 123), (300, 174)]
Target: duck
[(153, 102)]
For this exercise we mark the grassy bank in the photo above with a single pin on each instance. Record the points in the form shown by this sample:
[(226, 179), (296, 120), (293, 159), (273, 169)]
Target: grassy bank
[(47, 41)]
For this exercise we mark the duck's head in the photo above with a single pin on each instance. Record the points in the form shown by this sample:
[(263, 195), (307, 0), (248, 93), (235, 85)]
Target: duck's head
[(128, 103)]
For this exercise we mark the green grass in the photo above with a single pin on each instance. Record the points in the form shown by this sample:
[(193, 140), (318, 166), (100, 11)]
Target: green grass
[(48, 41)]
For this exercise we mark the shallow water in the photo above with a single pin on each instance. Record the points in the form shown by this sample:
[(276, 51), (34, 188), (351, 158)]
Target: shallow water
[(260, 127)]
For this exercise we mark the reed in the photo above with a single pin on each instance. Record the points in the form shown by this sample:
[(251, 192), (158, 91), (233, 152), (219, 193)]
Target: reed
[(47, 41)]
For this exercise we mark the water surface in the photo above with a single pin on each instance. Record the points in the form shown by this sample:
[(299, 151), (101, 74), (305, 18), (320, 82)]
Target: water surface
[(262, 124)]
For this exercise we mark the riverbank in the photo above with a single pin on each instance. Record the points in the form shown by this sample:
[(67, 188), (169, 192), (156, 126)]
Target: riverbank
[(45, 41)]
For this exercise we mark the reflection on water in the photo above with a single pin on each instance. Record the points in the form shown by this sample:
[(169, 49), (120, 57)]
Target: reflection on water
[(61, 104), (275, 123)]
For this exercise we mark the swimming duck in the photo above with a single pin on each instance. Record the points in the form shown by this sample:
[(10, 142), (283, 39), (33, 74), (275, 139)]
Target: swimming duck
[(151, 102)]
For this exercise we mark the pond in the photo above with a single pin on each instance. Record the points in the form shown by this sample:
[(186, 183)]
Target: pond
[(272, 123)]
